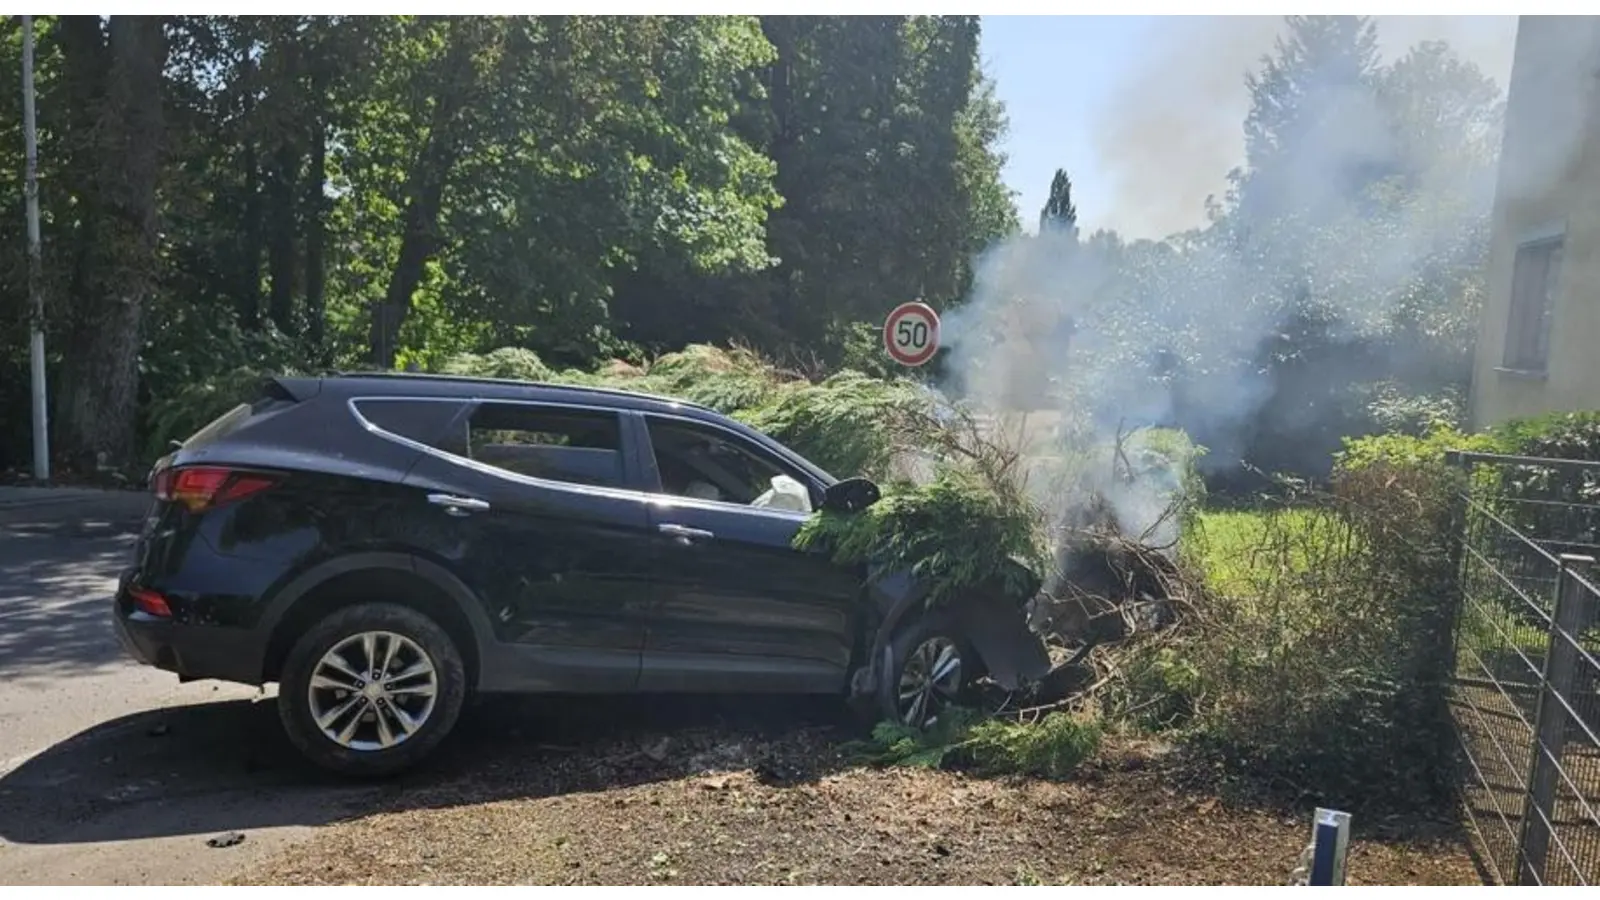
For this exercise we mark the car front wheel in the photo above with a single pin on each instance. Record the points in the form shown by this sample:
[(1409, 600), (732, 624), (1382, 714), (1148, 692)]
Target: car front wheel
[(371, 689), (931, 671)]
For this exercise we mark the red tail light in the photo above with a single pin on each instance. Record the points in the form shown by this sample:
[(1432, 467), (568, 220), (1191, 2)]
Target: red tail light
[(201, 488), (148, 601)]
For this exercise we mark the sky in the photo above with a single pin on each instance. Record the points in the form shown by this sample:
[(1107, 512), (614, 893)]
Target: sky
[(1146, 113)]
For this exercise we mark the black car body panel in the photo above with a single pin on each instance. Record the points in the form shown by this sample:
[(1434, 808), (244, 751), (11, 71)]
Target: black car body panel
[(600, 580)]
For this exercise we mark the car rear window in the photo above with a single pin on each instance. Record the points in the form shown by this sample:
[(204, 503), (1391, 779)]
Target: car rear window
[(273, 396), (220, 427)]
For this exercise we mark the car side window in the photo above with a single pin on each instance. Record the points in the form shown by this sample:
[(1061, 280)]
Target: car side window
[(554, 443), (709, 464)]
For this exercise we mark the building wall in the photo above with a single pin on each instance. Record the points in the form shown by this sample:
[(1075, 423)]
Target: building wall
[(1548, 184)]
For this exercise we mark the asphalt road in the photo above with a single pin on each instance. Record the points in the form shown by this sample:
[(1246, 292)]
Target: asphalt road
[(111, 772)]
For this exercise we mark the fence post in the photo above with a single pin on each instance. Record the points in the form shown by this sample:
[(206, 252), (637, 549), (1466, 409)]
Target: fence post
[(1330, 841), (1550, 723)]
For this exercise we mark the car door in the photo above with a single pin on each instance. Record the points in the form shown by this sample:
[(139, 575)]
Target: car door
[(553, 535), (737, 607)]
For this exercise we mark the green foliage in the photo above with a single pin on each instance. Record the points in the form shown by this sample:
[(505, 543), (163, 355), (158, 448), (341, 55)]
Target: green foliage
[(1573, 435), (897, 744), (955, 533), (862, 351), (565, 185), (194, 405), (1405, 451), (1323, 657), (728, 381), (194, 369), (1052, 748), (506, 362), (1393, 409), (1059, 212), (849, 423)]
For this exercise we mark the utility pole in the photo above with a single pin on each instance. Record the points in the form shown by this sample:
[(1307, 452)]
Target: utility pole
[(41, 415)]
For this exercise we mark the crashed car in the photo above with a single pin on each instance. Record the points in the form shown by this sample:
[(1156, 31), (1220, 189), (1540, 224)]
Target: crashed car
[(383, 546)]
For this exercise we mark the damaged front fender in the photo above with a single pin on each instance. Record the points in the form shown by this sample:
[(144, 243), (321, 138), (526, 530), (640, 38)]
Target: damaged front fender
[(998, 630), (992, 621)]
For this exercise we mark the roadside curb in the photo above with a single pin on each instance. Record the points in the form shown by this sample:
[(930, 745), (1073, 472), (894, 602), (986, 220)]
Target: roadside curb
[(70, 506)]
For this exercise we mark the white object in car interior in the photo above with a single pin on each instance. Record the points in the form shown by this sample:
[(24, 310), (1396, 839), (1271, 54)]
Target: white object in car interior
[(786, 493)]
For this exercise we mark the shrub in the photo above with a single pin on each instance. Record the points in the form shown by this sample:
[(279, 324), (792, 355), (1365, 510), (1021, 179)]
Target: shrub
[(506, 362), (725, 380), (849, 424), (1323, 660)]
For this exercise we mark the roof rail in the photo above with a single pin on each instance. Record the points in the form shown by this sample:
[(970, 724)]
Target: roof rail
[(517, 382)]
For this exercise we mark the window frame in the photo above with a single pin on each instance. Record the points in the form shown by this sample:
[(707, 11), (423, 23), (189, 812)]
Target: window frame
[(630, 433), (784, 466), (1531, 310), (627, 475)]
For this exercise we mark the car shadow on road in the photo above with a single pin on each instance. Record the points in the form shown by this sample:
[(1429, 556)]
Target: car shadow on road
[(224, 767)]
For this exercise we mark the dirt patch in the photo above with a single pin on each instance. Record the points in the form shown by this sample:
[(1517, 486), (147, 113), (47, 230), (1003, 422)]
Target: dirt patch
[(708, 809)]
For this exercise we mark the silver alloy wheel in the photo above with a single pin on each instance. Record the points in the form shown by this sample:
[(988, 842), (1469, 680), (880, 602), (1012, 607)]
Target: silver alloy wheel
[(929, 681), (372, 691)]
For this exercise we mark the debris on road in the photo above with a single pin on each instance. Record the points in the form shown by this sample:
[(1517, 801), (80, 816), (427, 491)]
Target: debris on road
[(231, 839)]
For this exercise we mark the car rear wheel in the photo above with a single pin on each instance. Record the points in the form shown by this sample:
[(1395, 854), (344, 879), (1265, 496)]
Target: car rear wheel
[(371, 689), (931, 671)]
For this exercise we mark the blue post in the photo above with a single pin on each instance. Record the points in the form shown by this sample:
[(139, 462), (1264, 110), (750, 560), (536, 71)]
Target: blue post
[(1330, 839)]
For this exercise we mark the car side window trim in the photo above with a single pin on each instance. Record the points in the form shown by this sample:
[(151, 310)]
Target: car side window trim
[(471, 404), (659, 498)]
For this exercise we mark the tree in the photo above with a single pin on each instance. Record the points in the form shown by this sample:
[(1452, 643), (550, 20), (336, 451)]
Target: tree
[(1314, 135), (569, 185), (117, 271), (1059, 213)]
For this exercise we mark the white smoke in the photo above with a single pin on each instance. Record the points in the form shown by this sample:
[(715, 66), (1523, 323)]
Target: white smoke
[(1091, 332), (1169, 130)]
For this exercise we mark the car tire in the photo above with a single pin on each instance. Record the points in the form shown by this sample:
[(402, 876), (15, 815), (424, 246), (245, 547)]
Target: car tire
[(371, 727), (918, 654)]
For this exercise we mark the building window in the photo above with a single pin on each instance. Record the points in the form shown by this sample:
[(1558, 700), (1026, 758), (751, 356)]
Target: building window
[(1534, 278)]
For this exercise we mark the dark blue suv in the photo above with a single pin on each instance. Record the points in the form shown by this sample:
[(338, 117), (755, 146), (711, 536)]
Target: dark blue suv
[(382, 546)]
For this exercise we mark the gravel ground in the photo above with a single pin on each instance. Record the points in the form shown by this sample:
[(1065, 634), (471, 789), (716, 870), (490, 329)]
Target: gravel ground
[(719, 807)]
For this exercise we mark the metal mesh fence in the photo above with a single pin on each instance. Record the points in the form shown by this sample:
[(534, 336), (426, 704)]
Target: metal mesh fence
[(1526, 694)]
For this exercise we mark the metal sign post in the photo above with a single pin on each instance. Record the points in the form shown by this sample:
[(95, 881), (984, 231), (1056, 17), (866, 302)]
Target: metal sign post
[(1330, 841)]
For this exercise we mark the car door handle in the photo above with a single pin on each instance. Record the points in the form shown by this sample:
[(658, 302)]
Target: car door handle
[(685, 534), (458, 506)]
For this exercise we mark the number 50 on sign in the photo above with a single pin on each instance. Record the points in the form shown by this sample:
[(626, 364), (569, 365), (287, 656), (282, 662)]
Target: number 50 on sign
[(911, 333)]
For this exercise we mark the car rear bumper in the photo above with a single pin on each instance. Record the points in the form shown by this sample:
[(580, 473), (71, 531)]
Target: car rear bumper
[(190, 651)]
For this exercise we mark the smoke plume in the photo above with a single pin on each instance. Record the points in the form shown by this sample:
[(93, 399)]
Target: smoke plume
[(1371, 220)]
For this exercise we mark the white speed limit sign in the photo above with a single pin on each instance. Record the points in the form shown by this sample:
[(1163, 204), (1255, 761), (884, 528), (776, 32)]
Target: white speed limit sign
[(911, 333)]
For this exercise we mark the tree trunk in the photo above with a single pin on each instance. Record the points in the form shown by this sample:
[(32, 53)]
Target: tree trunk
[(85, 60), (281, 242), (248, 272), (317, 229), (283, 181), (425, 191), (99, 391)]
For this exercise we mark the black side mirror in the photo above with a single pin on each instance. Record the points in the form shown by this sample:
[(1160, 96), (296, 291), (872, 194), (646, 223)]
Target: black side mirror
[(850, 495)]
